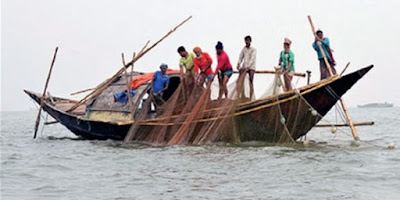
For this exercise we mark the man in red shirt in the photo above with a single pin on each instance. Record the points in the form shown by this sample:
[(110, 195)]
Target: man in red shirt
[(202, 66), (224, 69)]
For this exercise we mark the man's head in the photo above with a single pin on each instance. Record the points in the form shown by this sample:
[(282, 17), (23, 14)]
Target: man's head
[(197, 51), (219, 47), (320, 34), (163, 68), (286, 44), (247, 40), (182, 51)]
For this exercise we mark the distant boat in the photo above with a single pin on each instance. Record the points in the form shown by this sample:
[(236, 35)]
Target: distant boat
[(376, 105)]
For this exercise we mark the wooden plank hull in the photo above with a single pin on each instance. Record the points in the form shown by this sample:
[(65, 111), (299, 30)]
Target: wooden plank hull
[(261, 120)]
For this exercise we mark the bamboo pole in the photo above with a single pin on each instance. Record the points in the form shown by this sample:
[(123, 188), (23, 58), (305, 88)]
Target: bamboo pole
[(44, 93), (367, 123), (127, 85), (82, 91), (345, 69), (130, 79), (105, 84), (273, 72), (353, 129)]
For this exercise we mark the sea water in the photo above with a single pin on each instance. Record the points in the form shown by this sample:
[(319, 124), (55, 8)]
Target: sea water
[(58, 165)]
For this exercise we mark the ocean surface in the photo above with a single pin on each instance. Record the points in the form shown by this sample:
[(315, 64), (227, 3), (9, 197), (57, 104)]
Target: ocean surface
[(58, 165)]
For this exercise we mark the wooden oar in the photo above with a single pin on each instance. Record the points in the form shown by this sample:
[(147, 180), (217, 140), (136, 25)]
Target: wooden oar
[(353, 129), (44, 93)]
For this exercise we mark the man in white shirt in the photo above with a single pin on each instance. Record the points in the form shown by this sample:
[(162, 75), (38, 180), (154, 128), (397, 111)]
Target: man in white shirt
[(247, 62)]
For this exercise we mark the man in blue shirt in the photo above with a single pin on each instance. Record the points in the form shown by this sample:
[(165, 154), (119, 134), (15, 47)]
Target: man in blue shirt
[(328, 53), (160, 80)]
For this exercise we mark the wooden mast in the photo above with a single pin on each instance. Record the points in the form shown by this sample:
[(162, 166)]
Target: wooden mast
[(353, 129), (44, 93)]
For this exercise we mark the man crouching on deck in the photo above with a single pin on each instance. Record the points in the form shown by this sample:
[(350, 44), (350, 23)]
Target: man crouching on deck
[(160, 84), (224, 69)]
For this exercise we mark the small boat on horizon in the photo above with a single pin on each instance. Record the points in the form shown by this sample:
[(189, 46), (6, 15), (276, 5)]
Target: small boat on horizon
[(376, 105)]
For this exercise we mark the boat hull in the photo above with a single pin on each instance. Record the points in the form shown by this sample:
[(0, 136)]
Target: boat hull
[(261, 120)]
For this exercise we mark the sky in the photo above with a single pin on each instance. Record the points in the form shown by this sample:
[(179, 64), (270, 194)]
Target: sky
[(92, 34)]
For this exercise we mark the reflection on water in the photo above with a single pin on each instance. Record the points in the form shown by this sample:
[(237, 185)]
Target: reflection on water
[(58, 165)]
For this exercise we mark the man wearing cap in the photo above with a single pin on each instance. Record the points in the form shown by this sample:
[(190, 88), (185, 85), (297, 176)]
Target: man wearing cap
[(286, 61), (224, 69), (202, 65), (247, 61), (328, 53), (160, 81)]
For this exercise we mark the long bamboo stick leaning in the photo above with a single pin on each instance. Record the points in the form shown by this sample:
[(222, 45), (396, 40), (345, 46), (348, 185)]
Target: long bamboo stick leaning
[(353, 129), (345, 69), (130, 79), (105, 84), (44, 93), (367, 123), (82, 91), (128, 86)]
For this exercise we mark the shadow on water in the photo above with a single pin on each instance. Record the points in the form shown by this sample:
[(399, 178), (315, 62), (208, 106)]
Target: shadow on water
[(65, 138)]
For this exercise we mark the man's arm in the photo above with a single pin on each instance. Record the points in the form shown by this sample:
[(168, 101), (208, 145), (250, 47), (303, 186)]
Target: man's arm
[(181, 68)]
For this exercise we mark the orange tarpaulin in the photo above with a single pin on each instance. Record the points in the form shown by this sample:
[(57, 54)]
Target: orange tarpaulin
[(140, 80)]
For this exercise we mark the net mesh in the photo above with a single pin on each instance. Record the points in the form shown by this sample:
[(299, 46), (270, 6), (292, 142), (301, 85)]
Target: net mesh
[(194, 115)]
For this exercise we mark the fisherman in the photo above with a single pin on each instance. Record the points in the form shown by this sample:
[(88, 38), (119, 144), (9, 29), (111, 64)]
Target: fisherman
[(186, 62), (286, 61), (328, 53), (224, 69), (160, 84), (247, 61), (202, 65)]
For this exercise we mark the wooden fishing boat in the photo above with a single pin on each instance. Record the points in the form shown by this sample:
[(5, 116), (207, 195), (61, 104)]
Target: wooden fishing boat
[(266, 119)]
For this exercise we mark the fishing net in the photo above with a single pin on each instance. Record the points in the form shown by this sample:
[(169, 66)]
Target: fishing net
[(194, 115)]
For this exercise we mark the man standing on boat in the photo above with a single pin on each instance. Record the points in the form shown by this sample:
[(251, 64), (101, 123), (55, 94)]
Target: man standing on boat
[(224, 69), (286, 60), (247, 61), (202, 65), (328, 52), (160, 83), (186, 63)]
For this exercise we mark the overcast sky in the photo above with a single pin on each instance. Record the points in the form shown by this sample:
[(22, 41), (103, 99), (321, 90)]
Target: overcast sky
[(92, 34)]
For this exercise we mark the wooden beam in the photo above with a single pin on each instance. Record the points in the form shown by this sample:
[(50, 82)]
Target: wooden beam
[(273, 72), (368, 123)]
